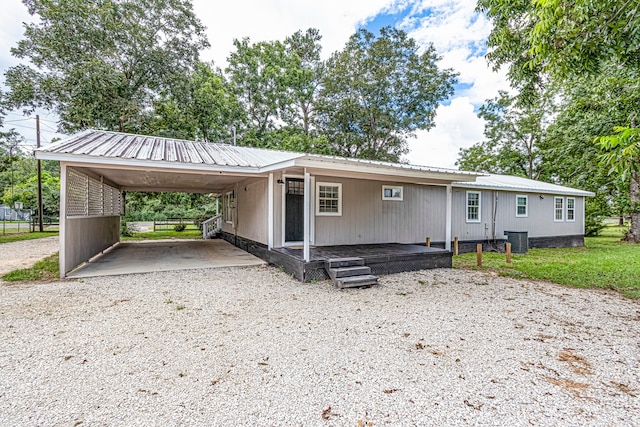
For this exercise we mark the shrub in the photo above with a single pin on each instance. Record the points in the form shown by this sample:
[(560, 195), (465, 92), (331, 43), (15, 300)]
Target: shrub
[(179, 227)]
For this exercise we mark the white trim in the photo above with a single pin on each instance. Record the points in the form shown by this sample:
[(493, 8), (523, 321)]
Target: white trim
[(567, 209), (283, 215), (392, 188), (307, 216), (466, 204), (555, 209), (447, 240), (526, 206), (329, 184), (228, 209), (270, 213), (62, 255)]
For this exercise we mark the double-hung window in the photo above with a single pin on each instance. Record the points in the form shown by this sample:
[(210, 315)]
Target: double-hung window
[(522, 208), (473, 206), (571, 208), (558, 205), (328, 199)]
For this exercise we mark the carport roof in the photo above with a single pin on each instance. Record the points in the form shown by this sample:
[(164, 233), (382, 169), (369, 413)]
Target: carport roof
[(100, 148)]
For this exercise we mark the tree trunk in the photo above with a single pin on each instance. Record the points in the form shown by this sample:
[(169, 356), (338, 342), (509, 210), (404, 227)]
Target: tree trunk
[(634, 196)]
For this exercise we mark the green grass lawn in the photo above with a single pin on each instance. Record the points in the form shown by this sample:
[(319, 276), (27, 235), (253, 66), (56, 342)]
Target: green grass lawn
[(170, 234), (604, 262), (46, 269), (15, 237)]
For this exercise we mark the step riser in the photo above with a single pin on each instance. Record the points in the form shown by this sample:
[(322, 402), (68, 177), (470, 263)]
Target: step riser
[(344, 262), (336, 273), (357, 283)]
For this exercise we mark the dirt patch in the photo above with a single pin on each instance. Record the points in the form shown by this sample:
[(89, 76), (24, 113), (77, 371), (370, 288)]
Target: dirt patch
[(578, 364), (571, 386)]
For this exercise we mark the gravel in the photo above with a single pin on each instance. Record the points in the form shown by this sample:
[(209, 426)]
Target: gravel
[(251, 346), (25, 253)]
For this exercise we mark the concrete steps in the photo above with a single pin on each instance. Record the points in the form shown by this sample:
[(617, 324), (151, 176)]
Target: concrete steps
[(350, 272)]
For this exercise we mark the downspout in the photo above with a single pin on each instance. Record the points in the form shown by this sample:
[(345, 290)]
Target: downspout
[(447, 238), (495, 213)]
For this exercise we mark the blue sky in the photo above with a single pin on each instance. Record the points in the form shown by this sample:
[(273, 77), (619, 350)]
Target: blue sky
[(458, 33)]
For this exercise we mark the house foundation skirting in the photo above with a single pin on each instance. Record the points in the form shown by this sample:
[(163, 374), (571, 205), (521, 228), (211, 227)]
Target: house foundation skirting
[(534, 243), (315, 269)]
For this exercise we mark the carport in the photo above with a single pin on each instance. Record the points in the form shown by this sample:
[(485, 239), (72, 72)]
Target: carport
[(97, 167)]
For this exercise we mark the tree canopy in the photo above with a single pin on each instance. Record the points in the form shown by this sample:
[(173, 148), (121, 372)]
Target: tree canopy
[(101, 63)]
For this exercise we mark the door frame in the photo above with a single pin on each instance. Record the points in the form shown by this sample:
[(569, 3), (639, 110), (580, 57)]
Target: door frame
[(284, 207)]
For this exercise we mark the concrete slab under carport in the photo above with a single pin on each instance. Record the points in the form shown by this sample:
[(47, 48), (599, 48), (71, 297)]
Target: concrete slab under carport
[(165, 255)]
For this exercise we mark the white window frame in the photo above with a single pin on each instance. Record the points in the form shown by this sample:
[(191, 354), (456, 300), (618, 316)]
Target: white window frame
[(479, 219), (228, 208), (573, 209), (557, 209), (526, 205), (328, 184), (393, 188)]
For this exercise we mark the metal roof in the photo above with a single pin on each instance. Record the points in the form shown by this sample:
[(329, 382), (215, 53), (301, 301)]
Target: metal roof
[(96, 145), (105, 144), (516, 183)]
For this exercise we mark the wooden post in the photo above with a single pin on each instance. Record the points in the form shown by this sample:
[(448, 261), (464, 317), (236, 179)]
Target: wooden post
[(428, 242), (479, 253), (508, 251), (455, 246)]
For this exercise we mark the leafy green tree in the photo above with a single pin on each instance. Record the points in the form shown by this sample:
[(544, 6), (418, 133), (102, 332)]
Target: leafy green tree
[(257, 76), (513, 133), (552, 40), (102, 63), (377, 92), (303, 75), (203, 108)]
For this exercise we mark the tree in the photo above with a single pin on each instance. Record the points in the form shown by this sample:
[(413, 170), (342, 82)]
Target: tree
[(377, 92), (555, 40), (514, 130), (203, 108), (303, 76), (102, 63), (257, 76)]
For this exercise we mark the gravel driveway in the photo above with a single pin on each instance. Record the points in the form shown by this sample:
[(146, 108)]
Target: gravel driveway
[(254, 347), (25, 253)]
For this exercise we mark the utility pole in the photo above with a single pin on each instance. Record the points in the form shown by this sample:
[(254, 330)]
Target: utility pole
[(39, 176)]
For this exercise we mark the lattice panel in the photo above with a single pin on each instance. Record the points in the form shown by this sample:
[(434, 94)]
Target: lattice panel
[(95, 197), (87, 196), (77, 193)]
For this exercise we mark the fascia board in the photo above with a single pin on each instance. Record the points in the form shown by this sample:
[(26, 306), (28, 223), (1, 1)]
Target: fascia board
[(385, 170), (567, 192), (72, 160)]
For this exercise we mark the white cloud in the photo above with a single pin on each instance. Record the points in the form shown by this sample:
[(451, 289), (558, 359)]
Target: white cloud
[(457, 32), (274, 20), (457, 126)]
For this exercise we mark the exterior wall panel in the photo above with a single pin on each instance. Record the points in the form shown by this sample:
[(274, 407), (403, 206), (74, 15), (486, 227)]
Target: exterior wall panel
[(251, 209), (366, 218), (539, 221), (86, 237)]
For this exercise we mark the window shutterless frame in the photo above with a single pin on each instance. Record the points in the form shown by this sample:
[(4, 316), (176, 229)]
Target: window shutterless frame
[(558, 209), (473, 206), (522, 206), (571, 209), (328, 199)]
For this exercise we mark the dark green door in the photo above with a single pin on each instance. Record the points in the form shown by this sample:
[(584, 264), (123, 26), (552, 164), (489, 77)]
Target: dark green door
[(294, 210)]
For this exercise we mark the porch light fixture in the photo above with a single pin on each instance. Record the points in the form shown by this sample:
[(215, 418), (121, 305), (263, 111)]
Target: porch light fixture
[(280, 181)]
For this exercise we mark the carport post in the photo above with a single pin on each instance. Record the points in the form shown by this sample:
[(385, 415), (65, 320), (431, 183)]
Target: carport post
[(270, 213), (447, 239), (307, 213), (62, 219)]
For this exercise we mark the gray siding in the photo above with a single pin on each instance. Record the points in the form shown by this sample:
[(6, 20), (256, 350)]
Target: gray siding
[(86, 237), (366, 218), (250, 214), (539, 222)]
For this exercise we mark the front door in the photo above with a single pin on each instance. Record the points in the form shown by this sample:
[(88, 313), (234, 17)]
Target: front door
[(294, 210)]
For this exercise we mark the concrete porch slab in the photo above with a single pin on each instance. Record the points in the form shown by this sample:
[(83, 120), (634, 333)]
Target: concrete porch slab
[(165, 255)]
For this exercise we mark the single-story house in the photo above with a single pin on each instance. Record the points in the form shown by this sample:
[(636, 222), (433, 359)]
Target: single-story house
[(297, 210)]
